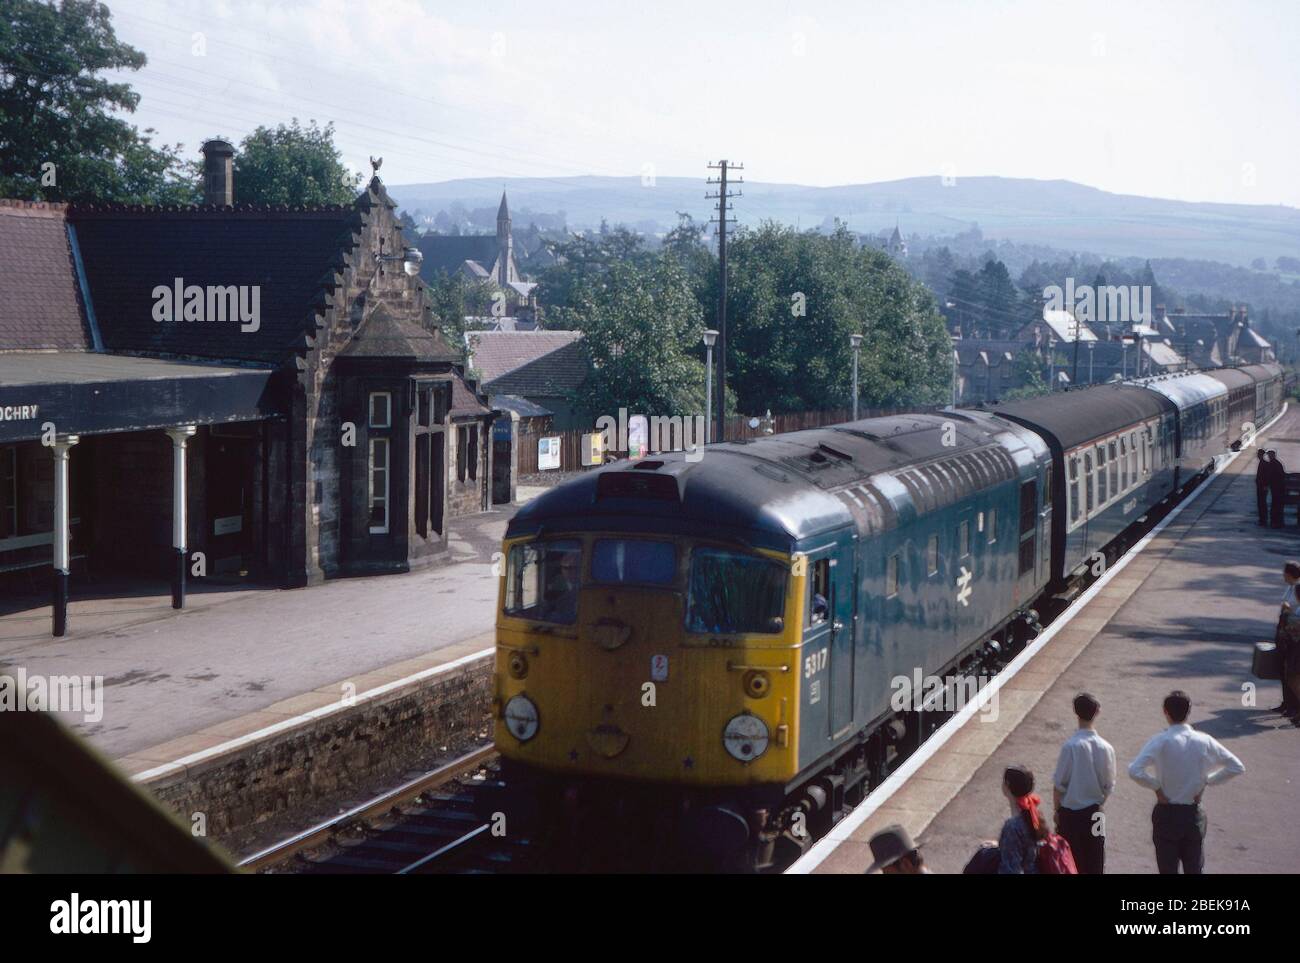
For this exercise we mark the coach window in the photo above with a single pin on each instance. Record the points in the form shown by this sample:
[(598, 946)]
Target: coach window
[(1102, 487), (963, 539), (1074, 488), (891, 577), (1123, 464), (932, 555), (1132, 458), (1087, 482), (1114, 468)]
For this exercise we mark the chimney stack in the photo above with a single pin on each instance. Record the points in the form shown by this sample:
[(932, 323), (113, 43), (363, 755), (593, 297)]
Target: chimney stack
[(218, 174)]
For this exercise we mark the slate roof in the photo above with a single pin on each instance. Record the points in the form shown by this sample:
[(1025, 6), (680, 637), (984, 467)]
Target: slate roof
[(553, 375), (290, 256), (464, 401), (447, 252), (498, 353), (384, 335), (40, 302)]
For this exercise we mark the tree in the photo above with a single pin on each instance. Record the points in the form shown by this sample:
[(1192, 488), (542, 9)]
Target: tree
[(59, 137), (1027, 374), (293, 164), (640, 321), (583, 260), (999, 298), (793, 301), (454, 296)]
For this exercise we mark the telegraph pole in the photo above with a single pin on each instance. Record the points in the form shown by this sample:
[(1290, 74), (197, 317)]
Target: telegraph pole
[(722, 207)]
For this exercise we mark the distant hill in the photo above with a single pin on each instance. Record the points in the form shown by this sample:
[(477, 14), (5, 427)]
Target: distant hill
[(1059, 213)]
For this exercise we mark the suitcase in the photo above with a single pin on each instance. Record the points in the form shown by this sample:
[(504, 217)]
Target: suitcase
[(1267, 663)]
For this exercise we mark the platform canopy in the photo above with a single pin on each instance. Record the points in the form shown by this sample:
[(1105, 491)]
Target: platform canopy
[(90, 393)]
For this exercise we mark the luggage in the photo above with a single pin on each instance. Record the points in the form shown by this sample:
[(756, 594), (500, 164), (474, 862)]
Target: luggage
[(1055, 857), (1267, 662), (984, 862)]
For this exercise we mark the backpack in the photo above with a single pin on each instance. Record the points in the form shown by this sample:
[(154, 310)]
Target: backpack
[(1055, 858)]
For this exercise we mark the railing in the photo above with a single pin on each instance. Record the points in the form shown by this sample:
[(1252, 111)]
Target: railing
[(737, 426)]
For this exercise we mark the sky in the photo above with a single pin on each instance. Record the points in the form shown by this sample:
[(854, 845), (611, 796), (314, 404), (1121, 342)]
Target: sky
[(1188, 100)]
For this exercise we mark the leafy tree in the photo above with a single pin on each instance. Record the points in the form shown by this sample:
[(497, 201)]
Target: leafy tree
[(452, 297), (583, 260), (293, 164), (59, 137), (793, 301), (1027, 374), (640, 320)]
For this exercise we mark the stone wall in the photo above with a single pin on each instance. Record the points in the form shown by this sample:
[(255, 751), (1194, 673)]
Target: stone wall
[(353, 749), (470, 496)]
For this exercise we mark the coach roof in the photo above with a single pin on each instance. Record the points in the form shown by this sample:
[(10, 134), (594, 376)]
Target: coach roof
[(1075, 417)]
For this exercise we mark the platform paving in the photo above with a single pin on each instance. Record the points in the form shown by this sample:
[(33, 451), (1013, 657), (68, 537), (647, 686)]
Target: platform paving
[(1185, 613), (238, 659)]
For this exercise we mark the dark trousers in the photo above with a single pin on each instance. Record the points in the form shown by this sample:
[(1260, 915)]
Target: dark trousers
[(1261, 499), (1276, 495), (1179, 834), (1086, 836)]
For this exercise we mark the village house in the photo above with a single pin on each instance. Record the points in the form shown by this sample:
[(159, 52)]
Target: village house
[(261, 392)]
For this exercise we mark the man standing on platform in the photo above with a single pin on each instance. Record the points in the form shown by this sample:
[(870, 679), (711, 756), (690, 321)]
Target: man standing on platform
[(1276, 487), (1084, 780), (1262, 471), (1184, 762)]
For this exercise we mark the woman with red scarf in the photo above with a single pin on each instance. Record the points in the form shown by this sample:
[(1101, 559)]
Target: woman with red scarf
[(1021, 834)]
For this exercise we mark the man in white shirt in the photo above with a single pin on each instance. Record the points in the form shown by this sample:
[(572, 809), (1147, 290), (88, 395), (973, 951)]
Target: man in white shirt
[(1084, 780), (1184, 762)]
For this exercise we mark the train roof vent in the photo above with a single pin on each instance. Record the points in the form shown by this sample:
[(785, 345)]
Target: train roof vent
[(833, 452), (632, 484), (647, 466)]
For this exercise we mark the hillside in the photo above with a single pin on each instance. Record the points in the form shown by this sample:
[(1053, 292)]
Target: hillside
[(1059, 213)]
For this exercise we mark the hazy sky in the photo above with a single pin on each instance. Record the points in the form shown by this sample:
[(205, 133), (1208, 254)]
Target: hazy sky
[(1189, 100)]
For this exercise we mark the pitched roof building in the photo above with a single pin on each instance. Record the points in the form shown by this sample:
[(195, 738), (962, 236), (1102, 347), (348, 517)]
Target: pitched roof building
[(274, 368)]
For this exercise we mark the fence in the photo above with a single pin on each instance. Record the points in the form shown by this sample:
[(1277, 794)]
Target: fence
[(737, 426)]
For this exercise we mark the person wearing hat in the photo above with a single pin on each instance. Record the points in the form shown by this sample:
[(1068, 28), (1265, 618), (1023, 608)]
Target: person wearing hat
[(1025, 829), (894, 853)]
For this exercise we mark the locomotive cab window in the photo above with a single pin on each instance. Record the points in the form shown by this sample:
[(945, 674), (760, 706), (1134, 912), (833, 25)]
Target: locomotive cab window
[(634, 560), (735, 593), (819, 591), (542, 581)]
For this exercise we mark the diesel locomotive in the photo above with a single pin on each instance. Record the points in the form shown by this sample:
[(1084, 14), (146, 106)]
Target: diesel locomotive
[(710, 648)]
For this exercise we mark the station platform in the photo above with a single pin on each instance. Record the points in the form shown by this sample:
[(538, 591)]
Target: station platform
[(180, 685), (1184, 613)]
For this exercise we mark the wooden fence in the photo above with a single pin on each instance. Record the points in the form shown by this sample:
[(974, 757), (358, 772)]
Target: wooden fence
[(737, 426)]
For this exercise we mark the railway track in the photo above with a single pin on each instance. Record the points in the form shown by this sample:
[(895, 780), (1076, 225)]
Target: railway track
[(428, 825)]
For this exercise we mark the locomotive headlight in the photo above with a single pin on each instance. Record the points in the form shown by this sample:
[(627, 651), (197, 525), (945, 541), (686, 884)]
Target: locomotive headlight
[(745, 737), (521, 718)]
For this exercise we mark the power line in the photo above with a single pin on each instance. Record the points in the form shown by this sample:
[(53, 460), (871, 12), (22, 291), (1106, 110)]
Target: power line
[(723, 206)]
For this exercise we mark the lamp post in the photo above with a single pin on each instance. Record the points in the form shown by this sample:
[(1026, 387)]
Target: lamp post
[(855, 341), (1091, 346), (1051, 364), (710, 338)]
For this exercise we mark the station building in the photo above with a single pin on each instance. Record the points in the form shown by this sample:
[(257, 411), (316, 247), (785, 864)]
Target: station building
[(265, 386)]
